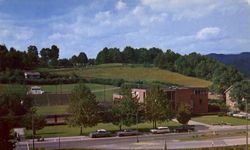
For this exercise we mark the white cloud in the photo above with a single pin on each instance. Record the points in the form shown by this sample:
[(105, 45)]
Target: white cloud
[(102, 15), (120, 5), (191, 9), (15, 32), (208, 33)]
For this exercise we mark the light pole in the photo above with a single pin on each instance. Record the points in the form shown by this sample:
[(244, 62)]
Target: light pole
[(137, 138), (243, 99), (33, 129)]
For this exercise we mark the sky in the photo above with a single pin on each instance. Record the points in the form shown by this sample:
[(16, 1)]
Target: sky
[(185, 26)]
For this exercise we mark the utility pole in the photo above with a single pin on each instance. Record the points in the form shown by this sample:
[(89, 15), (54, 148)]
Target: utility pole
[(33, 129), (243, 99), (247, 126), (137, 138)]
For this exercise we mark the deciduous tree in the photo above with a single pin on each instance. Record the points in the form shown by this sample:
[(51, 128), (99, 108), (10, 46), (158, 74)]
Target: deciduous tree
[(83, 107), (125, 110), (157, 106)]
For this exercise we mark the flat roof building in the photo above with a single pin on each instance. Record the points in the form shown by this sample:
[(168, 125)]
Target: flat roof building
[(32, 75), (195, 97)]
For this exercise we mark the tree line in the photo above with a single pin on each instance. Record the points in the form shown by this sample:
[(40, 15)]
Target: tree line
[(12, 59), (193, 64)]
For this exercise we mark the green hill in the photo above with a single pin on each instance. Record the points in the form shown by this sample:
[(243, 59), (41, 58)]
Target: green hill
[(135, 72)]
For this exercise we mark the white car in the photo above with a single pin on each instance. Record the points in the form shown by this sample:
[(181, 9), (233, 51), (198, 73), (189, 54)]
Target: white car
[(160, 130)]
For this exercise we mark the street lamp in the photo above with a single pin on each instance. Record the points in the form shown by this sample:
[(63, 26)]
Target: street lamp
[(33, 129), (137, 138), (243, 99)]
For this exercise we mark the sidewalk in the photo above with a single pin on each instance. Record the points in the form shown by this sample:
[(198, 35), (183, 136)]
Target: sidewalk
[(206, 127), (56, 139)]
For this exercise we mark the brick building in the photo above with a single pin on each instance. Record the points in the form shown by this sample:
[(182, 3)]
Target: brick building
[(195, 97)]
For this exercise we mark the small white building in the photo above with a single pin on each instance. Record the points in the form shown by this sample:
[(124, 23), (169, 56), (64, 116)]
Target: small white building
[(31, 75), (19, 134), (35, 90)]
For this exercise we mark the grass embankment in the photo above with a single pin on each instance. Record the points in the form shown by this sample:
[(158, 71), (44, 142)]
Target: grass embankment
[(57, 109), (134, 73), (213, 135), (65, 130), (216, 120)]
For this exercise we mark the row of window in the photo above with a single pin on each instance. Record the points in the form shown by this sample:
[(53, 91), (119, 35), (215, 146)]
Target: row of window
[(200, 92)]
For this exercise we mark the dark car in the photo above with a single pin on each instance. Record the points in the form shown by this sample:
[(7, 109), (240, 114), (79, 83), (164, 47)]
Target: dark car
[(185, 128), (128, 132), (100, 133)]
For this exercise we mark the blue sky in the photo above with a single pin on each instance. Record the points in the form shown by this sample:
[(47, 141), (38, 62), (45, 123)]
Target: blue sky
[(203, 26)]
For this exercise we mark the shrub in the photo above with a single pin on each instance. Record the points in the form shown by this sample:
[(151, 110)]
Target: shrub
[(220, 114), (213, 108)]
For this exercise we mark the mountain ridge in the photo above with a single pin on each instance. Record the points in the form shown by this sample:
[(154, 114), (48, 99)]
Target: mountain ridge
[(241, 61)]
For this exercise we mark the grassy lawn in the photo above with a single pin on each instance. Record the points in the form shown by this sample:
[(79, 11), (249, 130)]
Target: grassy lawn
[(211, 135), (65, 130), (67, 88), (135, 72), (97, 89), (214, 119), (57, 109)]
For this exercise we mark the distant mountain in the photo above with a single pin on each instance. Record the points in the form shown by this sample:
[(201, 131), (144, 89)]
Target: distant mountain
[(240, 61)]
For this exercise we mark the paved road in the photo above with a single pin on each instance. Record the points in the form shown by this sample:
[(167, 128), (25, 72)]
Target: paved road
[(148, 141)]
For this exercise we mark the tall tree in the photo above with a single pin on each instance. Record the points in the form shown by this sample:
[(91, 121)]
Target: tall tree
[(129, 55), (39, 121), (44, 56), (83, 107), (153, 52), (224, 77), (13, 106), (103, 56), (54, 55), (74, 60), (3, 57), (157, 106), (82, 59), (125, 110), (239, 91), (33, 57)]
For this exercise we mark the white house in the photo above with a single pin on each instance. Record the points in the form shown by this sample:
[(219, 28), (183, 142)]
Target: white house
[(35, 90)]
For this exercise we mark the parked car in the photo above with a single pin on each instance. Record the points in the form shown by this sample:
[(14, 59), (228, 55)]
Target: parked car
[(239, 115), (160, 130), (128, 132), (185, 128), (100, 133)]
